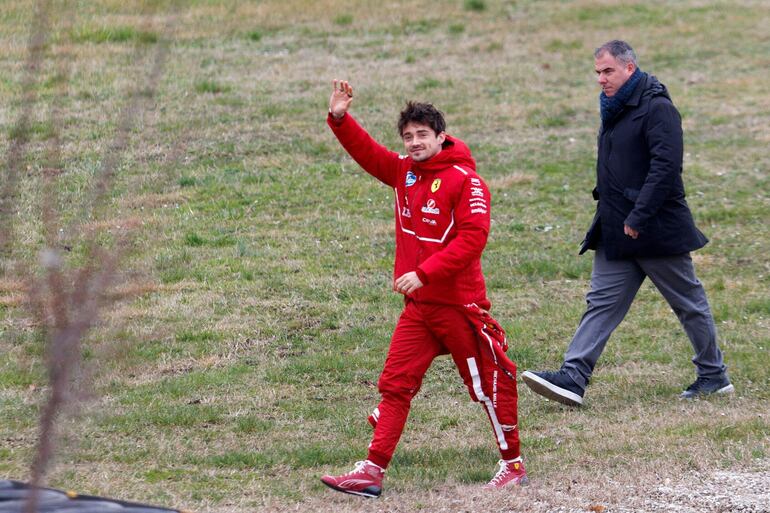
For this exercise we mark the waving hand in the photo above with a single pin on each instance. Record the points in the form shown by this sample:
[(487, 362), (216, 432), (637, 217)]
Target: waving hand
[(342, 97)]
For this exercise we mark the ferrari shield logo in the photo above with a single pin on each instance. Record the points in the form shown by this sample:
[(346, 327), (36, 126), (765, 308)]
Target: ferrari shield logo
[(435, 185)]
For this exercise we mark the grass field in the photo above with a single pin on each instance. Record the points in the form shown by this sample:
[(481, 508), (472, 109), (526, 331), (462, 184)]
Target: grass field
[(236, 359)]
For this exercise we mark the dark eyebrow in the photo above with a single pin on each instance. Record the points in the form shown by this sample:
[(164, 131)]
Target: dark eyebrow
[(605, 69)]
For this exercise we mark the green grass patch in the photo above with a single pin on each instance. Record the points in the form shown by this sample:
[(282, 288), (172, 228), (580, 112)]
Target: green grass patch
[(428, 83), (118, 34), (344, 20), (475, 5), (559, 45), (211, 87), (194, 240), (37, 129)]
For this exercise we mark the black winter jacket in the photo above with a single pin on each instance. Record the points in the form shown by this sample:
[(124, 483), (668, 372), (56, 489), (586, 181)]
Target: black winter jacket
[(639, 180)]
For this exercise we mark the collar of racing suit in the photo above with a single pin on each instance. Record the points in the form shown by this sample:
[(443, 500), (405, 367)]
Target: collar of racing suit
[(454, 153)]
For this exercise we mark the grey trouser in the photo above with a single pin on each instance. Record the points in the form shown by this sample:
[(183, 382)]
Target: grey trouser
[(614, 284)]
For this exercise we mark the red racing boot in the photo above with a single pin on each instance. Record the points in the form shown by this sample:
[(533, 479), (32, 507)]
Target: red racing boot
[(364, 480), (511, 473)]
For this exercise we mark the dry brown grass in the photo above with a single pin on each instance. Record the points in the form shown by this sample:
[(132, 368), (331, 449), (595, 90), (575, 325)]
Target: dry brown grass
[(508, 181), (13, 300)]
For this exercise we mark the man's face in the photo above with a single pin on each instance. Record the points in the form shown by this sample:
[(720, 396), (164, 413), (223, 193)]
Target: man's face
[(421, 142), (611, 73)]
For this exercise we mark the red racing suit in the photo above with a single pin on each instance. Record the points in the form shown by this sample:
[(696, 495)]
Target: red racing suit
[(442, 214)]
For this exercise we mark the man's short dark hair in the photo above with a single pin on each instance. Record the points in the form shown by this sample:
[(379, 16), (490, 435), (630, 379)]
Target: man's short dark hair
[(422, 113), (620, 50)]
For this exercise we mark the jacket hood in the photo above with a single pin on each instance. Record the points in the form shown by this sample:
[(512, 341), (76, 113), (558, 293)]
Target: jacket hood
[(653, 87), (454, 152)]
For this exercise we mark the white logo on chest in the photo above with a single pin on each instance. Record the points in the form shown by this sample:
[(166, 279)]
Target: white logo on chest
[(430, 207)]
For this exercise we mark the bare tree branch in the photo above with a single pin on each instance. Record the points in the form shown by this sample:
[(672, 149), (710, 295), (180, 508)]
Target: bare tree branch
[(19, 137), (66, 303)]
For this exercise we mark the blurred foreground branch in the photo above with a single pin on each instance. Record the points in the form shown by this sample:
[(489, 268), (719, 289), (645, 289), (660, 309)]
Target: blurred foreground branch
[(66, 300)]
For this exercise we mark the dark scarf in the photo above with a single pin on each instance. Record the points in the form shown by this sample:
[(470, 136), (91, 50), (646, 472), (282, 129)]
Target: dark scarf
[(610, 106)]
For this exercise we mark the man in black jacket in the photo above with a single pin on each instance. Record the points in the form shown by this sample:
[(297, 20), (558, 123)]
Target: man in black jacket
[(642, 228)]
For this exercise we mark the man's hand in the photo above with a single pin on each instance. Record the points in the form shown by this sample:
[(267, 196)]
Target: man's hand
[(630, 231), (407, 283), (342, 96)]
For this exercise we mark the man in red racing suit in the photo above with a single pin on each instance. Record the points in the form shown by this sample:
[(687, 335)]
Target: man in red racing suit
[(442, 221)]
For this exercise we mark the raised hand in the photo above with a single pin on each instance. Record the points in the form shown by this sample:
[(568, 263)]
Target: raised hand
[(342, 97)]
